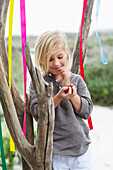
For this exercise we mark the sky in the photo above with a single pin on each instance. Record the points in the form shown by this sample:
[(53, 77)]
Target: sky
[(64, 15)]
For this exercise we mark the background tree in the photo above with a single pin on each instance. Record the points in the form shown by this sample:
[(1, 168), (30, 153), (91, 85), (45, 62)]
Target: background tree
[(36, 156)]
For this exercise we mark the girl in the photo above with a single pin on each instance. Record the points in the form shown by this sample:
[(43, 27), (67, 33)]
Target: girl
[(72, 103)]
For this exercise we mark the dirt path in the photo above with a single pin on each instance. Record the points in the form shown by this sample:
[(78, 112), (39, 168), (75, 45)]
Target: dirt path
[(102, 138)]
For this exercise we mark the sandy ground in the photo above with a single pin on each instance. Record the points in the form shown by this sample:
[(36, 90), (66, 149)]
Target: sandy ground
[(102, 138)]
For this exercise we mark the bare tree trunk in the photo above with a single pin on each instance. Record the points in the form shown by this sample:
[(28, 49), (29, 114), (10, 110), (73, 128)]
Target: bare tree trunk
[(86, 27)]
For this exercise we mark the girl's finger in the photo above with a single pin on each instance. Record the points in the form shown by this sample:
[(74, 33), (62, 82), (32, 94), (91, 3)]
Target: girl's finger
[(66, 89), (73, 88), (70, 90), (60, 69)]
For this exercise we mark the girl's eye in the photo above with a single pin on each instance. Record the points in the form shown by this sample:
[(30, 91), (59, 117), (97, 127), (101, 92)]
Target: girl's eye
[(50, 60), (60, 57)]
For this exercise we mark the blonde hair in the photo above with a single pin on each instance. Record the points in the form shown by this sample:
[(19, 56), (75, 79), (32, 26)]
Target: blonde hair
[(48, 44)]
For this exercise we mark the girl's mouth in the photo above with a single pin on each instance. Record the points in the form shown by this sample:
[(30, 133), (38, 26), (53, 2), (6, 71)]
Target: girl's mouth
[(57, 69)]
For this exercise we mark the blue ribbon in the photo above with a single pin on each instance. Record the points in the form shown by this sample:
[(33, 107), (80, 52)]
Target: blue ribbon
[(102, 52)]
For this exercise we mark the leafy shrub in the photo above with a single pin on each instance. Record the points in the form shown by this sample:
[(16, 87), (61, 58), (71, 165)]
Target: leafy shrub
[(17, 71), (99, 79), (12, 158)]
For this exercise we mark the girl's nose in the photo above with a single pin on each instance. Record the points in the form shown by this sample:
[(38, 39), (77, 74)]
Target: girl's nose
[(56, 62)]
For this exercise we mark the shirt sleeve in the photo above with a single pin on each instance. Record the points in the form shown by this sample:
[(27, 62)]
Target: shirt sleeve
[(33, 102), (86, 102)]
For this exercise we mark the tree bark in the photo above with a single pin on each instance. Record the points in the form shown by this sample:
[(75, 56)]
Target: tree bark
[(86, 27)]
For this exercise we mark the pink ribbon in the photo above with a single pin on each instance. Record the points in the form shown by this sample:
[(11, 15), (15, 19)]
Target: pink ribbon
[(23, 39), (81, 57)]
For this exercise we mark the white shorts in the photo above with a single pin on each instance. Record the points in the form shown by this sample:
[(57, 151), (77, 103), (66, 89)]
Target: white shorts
[(83, 162)]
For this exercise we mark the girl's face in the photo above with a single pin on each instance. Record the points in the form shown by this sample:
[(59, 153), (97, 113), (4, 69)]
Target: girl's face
[(56, 61)]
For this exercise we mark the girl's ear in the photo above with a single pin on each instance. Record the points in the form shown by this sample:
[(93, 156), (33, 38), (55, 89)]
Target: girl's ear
[(67, 57), (67, 52)]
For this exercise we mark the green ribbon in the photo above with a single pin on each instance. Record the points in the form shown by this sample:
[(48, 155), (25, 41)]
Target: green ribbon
[(2, 149)]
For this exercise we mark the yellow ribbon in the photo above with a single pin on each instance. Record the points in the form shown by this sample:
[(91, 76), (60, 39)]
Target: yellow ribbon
[(12, 146)]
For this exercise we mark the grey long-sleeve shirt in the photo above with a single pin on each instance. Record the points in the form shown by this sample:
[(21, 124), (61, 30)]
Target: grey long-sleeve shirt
[(71, 134)]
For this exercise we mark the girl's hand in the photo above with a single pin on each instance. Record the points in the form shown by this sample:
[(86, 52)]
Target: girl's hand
[(71, 94), (67, 92), (65, 76)]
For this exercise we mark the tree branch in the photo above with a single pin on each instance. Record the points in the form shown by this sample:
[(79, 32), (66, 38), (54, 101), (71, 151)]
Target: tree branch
[(19, 104), (25, 149), (46, 114)]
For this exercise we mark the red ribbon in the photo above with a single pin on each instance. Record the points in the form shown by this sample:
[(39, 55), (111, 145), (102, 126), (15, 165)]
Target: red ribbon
[(23, 38), (81, 57)]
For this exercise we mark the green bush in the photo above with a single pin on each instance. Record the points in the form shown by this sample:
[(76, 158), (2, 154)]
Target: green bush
[(17, 71), (99, 79), (12, 158)]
